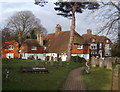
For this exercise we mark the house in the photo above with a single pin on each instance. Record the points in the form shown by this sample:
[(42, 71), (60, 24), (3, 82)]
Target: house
[(99, 45), (30, 49), (10, 49), (33, 48), (57, 45)]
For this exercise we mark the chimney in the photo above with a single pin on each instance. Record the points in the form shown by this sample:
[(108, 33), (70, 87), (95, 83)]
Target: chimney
[(58, 28), (89, 32), (40, 38)]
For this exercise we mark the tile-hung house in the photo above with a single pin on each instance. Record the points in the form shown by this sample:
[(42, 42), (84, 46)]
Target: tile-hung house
[(33, 48), (99, 45), (57, 45), (10, 49)]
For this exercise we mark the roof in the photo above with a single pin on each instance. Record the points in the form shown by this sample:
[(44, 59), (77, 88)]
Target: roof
[(58, 42), (31, 42), (98, 39)]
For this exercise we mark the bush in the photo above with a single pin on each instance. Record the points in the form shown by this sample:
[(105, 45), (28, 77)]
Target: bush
[(115, 51), (78, 59)]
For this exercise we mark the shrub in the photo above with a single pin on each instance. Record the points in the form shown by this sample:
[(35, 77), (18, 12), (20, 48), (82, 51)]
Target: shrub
[(78, 59)]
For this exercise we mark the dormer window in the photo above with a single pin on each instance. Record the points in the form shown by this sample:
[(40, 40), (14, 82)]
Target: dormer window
[(93, 40), (80, 47), (107, 41), (34, 48), (11, 47)]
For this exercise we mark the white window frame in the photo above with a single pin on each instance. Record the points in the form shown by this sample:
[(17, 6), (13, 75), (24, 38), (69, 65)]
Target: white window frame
[(93, 40), (93, 46), (100, 45), (11, 47), (33, 48), (107, 41), (80, 47)]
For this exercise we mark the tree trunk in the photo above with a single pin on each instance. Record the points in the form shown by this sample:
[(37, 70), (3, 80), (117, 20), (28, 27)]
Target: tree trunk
[(19, 39), (71, 34)]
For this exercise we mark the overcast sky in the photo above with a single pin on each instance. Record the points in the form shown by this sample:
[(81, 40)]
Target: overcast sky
[(47, 15)]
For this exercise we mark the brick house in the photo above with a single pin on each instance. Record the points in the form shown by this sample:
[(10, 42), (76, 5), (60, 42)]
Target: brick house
[(10, 49), (99, 45), (57, 44), (31, 49)]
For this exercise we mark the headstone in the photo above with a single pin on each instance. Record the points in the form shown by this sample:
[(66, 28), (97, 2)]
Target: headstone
[(51, 61), (116, 78), (109, 64), (97, 61), (113, 60), (93, 63), (101, 63), (105, 62)]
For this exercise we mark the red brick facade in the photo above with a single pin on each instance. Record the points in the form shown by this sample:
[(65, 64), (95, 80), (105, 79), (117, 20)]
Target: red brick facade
[(6, 49)]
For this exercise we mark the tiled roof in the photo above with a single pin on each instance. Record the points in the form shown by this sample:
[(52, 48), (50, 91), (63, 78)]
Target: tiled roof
[(31, 42), (98, 39), (58, 42)]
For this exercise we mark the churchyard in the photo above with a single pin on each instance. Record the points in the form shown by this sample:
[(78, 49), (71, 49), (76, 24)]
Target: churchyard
[(35, 81), (98, 78)]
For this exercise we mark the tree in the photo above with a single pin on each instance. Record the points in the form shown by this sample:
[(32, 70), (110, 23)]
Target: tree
[(111, 17), (68, 9), (7, 35), (22, 22)]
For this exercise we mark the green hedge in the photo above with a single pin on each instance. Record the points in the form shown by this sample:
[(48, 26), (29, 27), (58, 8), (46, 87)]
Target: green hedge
[(78, 59)]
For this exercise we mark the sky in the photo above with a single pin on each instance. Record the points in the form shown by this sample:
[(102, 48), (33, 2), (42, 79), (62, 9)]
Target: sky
[(48, 16)]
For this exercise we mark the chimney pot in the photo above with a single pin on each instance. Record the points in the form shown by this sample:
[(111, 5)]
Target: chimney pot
[(89, 31), (58, 28)]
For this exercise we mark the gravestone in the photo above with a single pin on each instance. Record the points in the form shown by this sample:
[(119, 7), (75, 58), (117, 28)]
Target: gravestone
[(51, 61), (93, 61), (113, 60), (101, 63), (116, 78), (109, 63), (105, 62), (97, 61)]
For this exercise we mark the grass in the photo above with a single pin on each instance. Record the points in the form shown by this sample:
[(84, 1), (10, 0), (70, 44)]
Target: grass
[(98, 79), (30, 81)]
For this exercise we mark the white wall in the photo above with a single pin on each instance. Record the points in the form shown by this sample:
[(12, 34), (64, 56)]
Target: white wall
[(26, 55)]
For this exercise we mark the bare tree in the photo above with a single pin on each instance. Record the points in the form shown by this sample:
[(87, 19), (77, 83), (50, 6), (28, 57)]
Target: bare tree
[(7, 35), (22, 22), (108, 16)]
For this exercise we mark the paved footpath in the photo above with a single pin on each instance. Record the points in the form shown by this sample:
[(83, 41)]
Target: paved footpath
[(75, 80)]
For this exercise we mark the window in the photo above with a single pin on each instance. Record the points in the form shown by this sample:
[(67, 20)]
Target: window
[(80, 47), (93, 46), (100, 45), (11, 47), (93, 40), (34, 48), (107, 41)]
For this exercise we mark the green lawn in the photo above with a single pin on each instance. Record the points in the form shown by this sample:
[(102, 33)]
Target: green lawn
[(98, 79), (30, 81)]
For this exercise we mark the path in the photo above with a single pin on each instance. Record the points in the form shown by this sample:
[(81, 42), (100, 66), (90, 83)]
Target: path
[(75, 80)]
